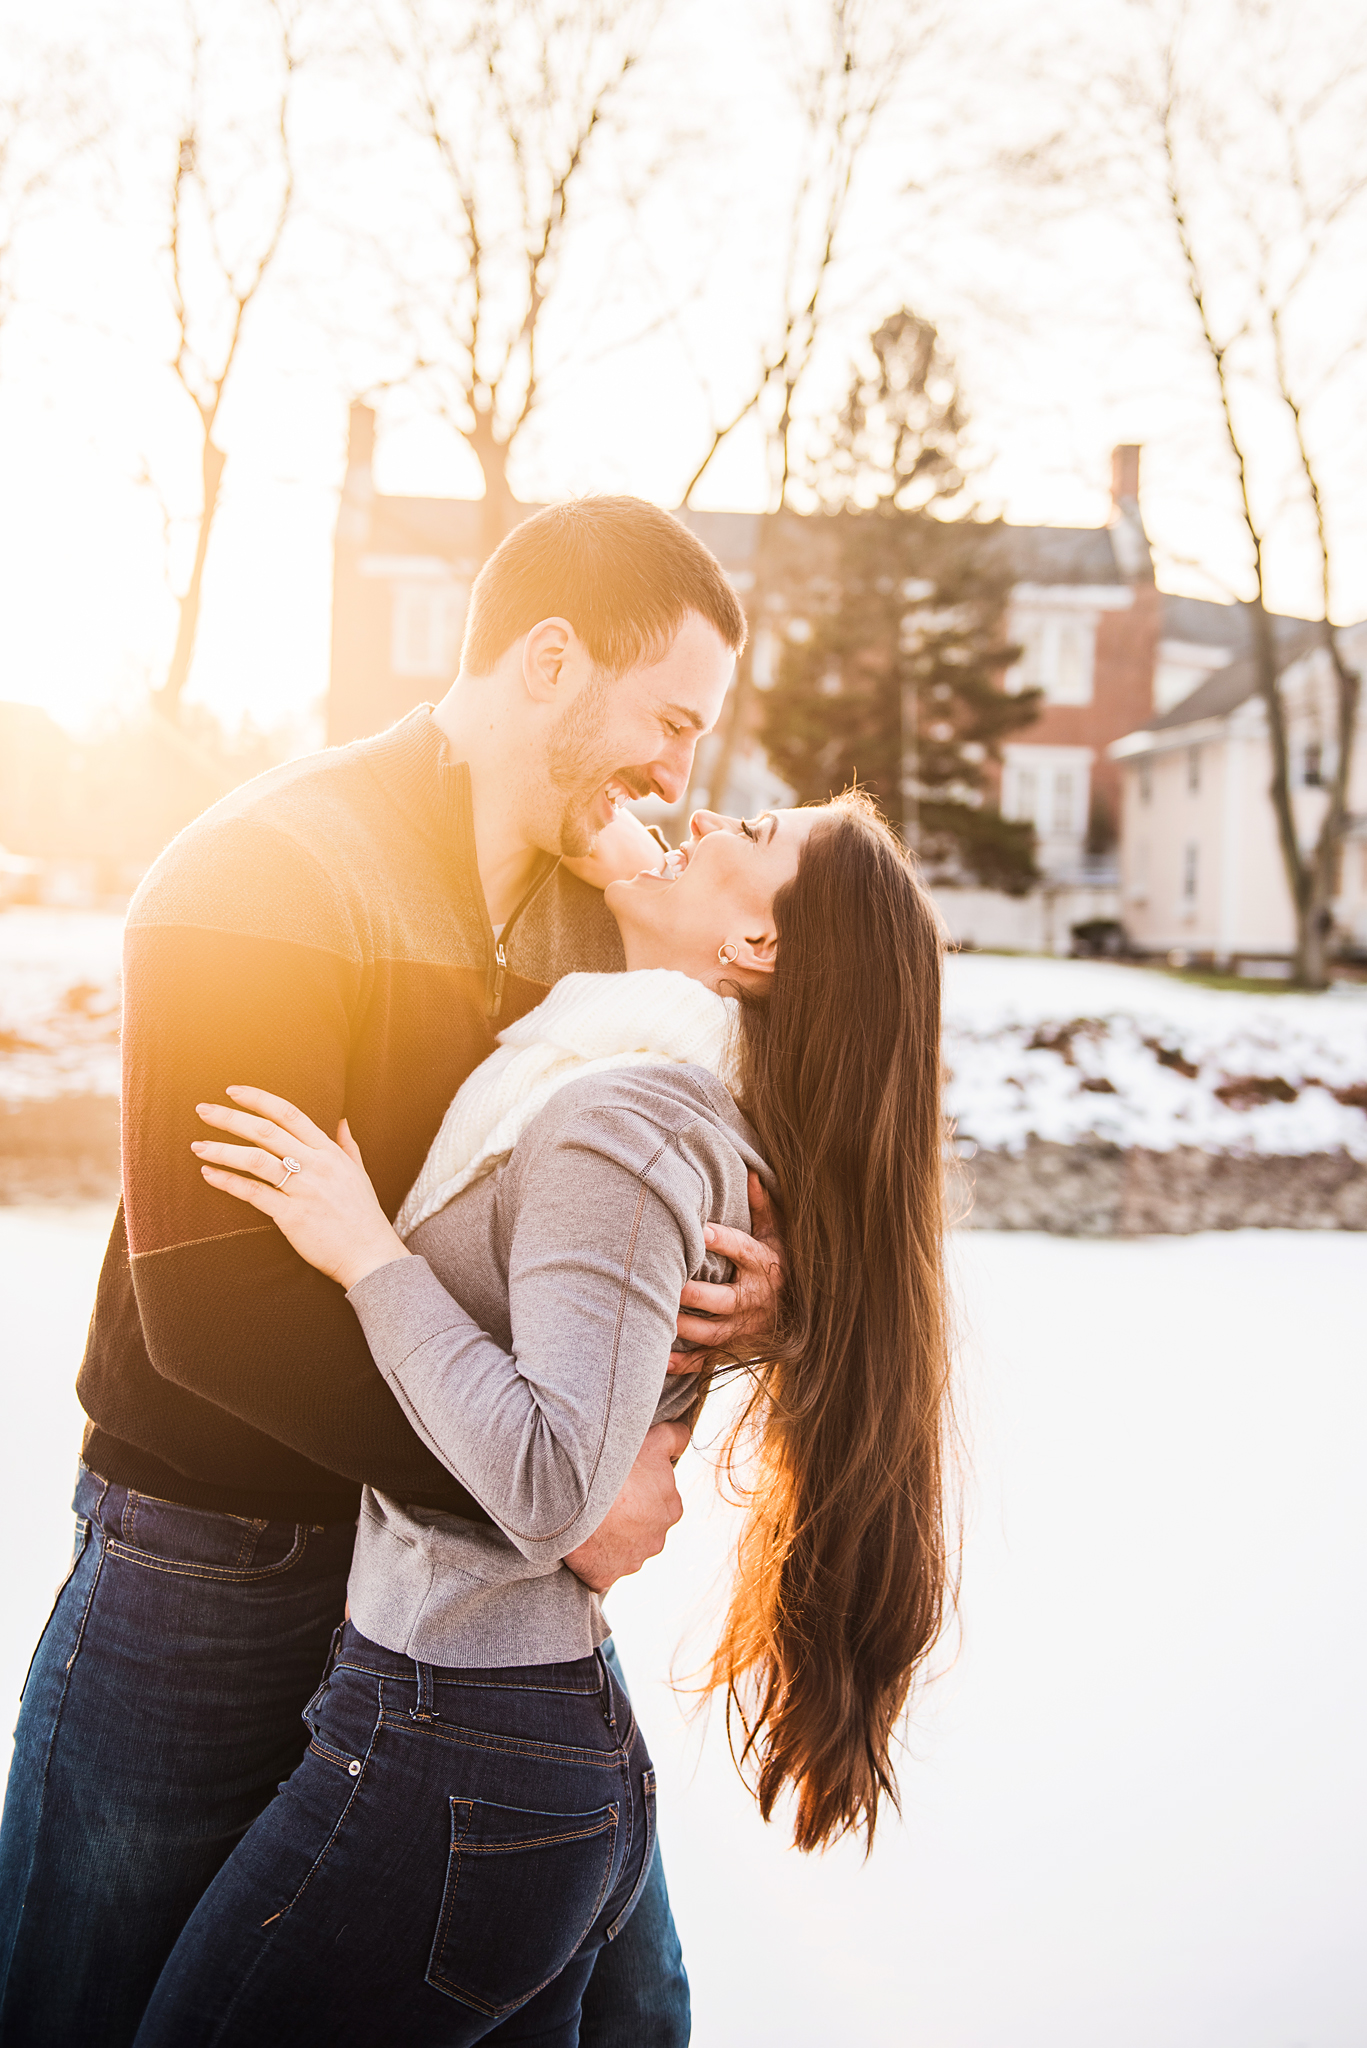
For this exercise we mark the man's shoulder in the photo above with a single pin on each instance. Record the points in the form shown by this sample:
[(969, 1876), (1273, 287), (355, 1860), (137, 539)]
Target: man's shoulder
[(567, 928), (282, 855)]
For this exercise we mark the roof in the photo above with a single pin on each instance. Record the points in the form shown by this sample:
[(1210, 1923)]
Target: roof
[(1229, 687), (1054, 555), (451, 527)]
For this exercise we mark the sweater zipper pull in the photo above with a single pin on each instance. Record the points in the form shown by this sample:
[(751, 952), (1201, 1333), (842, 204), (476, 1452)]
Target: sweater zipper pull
[(500, 971)]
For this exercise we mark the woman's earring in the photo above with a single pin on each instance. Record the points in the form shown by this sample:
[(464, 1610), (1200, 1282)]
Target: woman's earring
[(728, 953)]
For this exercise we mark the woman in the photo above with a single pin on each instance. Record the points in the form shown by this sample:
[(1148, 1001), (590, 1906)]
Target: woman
[(474, 1817)]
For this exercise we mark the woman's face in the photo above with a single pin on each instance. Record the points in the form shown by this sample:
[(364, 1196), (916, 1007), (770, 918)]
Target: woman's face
[(715, 892)]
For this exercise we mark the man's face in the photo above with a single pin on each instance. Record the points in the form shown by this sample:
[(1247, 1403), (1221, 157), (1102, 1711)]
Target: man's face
[(634, 735)]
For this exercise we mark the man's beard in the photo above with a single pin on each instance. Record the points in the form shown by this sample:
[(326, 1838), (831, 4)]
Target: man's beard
[(575, 768)]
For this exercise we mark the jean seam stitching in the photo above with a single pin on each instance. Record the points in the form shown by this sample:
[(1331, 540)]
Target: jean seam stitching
[(507, 1745), (342, 1817), (502, 2011), (649, 1797), (60, 1710), (223, 1573)]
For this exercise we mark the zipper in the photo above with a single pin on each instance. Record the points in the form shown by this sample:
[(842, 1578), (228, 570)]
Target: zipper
[(498, 962)]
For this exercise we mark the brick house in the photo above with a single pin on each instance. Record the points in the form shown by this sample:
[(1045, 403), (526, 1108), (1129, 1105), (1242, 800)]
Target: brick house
[(1105, 645)]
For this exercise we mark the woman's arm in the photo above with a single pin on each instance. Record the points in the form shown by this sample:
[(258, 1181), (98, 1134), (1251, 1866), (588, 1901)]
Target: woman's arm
[(543, 1436), (606, 1225)]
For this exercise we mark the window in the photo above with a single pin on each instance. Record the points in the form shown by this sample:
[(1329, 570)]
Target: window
[(1193, 769), (1024, 805), (1145, 781), (1190, 867), (1312, 775), (1057, 655), (427, 622), (1063, 820)]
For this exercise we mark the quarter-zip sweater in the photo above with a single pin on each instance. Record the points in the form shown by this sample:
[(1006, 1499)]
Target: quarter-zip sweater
[(321, 933)]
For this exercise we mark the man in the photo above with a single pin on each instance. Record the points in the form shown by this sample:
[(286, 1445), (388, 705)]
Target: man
[(350, 932)]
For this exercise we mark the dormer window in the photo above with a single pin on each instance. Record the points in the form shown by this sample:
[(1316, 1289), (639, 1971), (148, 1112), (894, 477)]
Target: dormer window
[(1058, 650)]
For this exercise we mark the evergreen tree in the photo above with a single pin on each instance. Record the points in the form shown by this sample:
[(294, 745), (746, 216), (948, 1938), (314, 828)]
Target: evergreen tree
[(896, 599)]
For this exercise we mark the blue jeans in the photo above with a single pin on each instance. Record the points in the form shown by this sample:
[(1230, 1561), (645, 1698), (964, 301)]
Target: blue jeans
[(161, 1712), (443, 1867)]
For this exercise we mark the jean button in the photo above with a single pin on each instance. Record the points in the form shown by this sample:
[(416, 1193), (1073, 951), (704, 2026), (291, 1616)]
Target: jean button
[(354, 1769)]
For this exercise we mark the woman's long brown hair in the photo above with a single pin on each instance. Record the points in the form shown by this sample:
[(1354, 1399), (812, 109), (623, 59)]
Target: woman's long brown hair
[(843, 1559)]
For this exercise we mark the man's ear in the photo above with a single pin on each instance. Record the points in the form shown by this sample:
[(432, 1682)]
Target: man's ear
[(543, 659)]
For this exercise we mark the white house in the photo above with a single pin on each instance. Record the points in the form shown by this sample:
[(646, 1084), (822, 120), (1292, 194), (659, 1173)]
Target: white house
[(1200, 865)]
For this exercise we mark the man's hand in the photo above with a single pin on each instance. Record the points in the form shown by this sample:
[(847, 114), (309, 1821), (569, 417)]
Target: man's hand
[(640, 1518), (717, 1316)]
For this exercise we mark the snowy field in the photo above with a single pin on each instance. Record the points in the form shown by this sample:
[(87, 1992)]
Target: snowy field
[(1135, 1807), (1057, 1049), (1072, 1049)]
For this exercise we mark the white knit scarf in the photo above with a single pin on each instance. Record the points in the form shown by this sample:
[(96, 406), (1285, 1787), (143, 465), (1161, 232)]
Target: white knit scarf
[(588, 1024)]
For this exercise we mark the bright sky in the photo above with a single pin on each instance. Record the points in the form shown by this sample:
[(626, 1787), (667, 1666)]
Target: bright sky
[(1067, 337)]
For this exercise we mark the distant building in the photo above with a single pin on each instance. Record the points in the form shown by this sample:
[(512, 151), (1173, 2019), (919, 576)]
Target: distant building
[(1110, 652), (1201, 867)]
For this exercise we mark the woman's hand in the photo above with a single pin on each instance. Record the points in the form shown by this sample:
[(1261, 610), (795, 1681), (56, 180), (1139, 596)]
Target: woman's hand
[(317, 1192)]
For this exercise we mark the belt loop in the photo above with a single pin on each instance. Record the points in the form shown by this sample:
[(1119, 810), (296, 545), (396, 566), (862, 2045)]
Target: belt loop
[(424, 1710), (609, 1710)]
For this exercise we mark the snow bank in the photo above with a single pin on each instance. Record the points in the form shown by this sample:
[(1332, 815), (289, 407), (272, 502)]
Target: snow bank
[(59, 1003), (1067, 1050), (1063, 1050)]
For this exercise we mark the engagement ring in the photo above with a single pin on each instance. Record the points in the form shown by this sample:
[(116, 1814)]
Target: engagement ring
[(290, 1166)]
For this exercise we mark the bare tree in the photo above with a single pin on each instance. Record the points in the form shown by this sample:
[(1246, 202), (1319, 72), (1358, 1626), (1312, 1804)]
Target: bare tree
[(47, 122), (844, 76), (1235, 137), (227, 218), (843, 80), (510, 100)]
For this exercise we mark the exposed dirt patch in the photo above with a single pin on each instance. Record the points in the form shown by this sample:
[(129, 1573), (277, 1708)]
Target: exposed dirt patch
[(1102, 1191), (63, 1150)]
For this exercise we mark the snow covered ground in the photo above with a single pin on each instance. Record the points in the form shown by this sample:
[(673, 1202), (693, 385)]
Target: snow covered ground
[(1071, 1049), (59, 1003), (1058, 1049), (1136, 1804)]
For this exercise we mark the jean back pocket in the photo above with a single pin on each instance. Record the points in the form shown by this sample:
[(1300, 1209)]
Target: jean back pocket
[(522, 1891)]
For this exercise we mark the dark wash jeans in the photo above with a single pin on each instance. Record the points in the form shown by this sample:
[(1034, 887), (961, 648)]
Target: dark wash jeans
[(162, 1710), (443, 1867)]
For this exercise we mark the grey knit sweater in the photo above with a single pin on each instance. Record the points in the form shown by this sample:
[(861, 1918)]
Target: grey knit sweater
[(527, 1341)]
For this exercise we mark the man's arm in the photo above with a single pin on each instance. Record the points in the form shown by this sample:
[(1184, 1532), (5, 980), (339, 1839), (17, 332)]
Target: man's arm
[(227, 1309)]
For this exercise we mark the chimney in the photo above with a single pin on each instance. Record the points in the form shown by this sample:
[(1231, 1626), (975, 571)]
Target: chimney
[(1124, 475), (358, 486), (361, 437)]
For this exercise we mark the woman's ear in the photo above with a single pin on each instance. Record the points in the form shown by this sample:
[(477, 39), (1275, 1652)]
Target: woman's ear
[(543, 659), (757, 953)]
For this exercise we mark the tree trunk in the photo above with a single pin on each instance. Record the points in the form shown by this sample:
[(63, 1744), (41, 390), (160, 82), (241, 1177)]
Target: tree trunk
[(167, 698), (1301, 878), (736, 707), (501, 512)]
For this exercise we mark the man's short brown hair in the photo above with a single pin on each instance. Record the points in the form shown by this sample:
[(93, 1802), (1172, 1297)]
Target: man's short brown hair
[(622, 572)]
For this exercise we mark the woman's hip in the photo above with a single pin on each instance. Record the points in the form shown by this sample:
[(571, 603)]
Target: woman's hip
[(449, 1843)]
